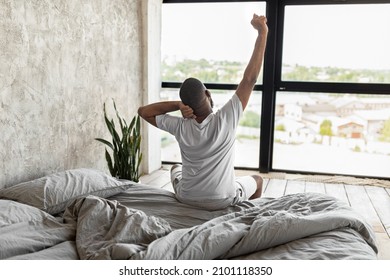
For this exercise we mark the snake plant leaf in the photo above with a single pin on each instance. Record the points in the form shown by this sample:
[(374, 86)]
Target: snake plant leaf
[(138, 165), (132, 123), (105, 142), (109, 125), (124, 121), (138, 126), (118, 117), (114, 134), (109, 163)]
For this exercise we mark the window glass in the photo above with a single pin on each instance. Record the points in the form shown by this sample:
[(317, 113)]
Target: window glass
[(337, 43), (332, 133), (210, 41)]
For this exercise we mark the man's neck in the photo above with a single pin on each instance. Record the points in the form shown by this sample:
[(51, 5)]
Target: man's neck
[(201, 118)]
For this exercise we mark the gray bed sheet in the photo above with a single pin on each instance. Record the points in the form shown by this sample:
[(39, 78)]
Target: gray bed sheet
[(27, 232), (149, 223)]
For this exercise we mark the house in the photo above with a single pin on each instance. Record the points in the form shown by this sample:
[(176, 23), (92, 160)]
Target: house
[(292, 104), (351, 130), (347, 106), (374, 120)]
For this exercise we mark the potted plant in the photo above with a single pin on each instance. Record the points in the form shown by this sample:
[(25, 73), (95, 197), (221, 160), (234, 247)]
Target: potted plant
[(125, 146)]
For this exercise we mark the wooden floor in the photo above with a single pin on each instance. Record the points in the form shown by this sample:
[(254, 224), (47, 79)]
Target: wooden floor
[(371, 202)]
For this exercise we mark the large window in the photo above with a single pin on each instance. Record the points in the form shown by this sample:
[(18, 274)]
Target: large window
[(212, 42), (337, 43), (322, 103), (333, 60), (332, 133)]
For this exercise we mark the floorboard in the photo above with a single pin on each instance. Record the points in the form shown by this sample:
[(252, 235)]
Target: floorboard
[(337, 191), (293, 187), (381, 201), (314, 187), (361, 202), (275, 188), (151, 179)]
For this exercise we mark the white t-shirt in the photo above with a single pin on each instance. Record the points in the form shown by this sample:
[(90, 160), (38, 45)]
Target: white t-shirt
[(207, 151)]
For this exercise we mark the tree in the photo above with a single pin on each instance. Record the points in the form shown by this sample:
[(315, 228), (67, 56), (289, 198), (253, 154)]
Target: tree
[(250, 119), (280, 127), (385, 132), (326, 128)]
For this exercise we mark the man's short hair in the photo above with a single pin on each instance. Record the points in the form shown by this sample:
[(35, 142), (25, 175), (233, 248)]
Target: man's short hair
[(191, 92)]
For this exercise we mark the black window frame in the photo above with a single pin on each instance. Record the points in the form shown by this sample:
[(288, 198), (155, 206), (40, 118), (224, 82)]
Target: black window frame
[(272, 75)]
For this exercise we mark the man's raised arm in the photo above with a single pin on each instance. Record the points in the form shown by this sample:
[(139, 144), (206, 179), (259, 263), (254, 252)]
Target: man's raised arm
[(252, 70)]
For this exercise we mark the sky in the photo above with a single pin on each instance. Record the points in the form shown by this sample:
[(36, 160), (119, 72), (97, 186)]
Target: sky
[(210, 30), (348, 36)]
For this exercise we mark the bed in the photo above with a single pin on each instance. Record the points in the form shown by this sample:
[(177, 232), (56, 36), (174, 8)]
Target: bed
[(86, 214)]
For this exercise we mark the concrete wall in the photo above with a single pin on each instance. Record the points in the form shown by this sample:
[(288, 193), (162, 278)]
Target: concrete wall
[(59, 62)]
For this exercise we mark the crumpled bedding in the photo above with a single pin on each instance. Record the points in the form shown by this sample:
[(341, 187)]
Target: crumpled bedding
[(271, 223), (149, 223), (27, 232)]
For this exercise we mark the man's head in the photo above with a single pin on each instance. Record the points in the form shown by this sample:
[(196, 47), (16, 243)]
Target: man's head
[(194, 94)]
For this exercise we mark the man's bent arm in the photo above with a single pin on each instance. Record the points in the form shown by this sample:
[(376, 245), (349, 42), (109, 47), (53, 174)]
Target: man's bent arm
[(149, 112), (253, 68)]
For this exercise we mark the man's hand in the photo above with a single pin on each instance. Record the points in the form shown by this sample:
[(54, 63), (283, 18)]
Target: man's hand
[(260, 23), (251, 73), (186, 111)]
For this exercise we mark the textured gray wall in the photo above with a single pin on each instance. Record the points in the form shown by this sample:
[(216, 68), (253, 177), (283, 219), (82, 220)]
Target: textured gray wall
[(59, 62)]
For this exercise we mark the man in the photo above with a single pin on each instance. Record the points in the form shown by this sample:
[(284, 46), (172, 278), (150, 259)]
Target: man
[(206, 178)]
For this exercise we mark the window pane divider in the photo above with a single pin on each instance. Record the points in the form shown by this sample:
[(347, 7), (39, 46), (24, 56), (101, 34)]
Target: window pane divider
[(334, 87), (217, 86)]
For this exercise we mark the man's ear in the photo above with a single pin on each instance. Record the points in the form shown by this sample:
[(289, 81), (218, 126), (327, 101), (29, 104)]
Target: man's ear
[(208, 94)]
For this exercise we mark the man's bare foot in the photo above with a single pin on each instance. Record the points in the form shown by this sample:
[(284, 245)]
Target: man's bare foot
[(259, 190)]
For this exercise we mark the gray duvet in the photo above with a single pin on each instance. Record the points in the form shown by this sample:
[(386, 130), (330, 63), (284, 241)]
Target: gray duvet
[(148, 223)]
